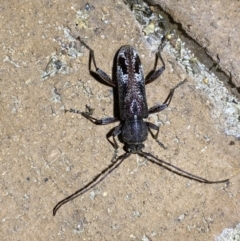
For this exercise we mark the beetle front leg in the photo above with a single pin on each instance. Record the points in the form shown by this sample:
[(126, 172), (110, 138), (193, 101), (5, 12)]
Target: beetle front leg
[(114, 133), (155, 136)]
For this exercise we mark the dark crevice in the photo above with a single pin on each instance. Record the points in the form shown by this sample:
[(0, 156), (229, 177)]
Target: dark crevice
[(168, 24)]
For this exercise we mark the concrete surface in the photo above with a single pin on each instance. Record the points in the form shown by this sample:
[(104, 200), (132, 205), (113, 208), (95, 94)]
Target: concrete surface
[(47, 154), (213, 25)]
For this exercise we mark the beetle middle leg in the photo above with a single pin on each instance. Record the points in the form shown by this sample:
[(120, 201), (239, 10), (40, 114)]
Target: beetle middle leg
[(104, 121), (166, 103), (158, 108)]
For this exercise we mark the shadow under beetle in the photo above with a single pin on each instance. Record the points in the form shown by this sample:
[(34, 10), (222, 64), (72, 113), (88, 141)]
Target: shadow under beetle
[(133, 109)]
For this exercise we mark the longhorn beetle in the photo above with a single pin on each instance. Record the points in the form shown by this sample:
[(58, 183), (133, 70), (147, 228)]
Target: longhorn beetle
[(133, 109)]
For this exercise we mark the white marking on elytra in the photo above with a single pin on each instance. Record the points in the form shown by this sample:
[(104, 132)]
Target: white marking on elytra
[(131, 80), (130, 55)]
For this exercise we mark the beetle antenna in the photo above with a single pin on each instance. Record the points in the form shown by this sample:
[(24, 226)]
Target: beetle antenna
[(177, 170), (94, 182)]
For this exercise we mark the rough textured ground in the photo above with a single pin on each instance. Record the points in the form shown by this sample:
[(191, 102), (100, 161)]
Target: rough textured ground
[(215, 26), (47, 154)]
